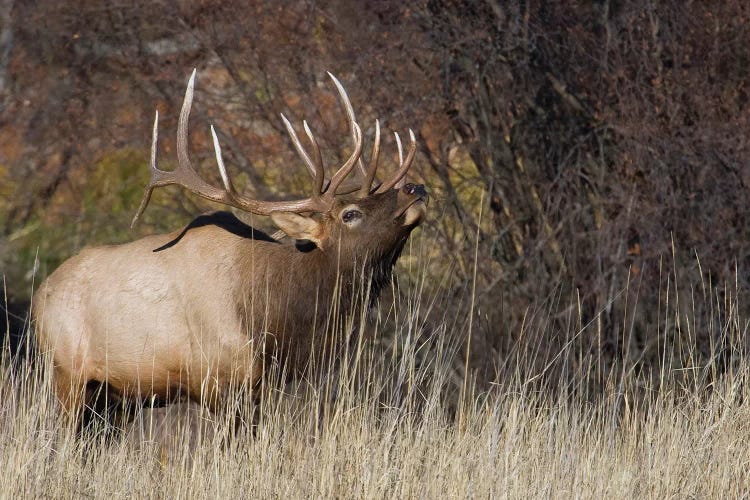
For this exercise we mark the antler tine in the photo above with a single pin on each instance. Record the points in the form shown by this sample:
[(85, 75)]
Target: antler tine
[(154, 172), (372, 167), (315, 167), (399, 147), (344, 98), (319, 170), (347, 167), (395, 181), (220, 163), (183, 160), (299, 147)]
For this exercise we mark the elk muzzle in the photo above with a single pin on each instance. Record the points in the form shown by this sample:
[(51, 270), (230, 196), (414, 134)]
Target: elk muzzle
[(412, 204)]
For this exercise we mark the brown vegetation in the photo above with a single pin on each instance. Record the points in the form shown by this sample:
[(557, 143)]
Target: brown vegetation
[(392, 432)]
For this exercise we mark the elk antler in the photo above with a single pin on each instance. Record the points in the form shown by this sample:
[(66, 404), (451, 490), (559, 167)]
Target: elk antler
[(368, 174), (184, 175), (397, 180)]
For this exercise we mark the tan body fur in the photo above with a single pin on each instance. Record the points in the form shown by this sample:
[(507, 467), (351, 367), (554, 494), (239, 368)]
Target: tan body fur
[(126, 314)]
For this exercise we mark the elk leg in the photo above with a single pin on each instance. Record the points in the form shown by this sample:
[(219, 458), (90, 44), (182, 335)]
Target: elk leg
[(70, 391), (230, 395), (255, 396)]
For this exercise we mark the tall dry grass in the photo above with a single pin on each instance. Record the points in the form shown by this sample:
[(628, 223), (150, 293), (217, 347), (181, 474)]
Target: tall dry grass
[(400, 417)]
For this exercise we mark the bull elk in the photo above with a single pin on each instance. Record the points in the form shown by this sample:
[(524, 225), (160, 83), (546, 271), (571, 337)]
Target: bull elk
[(192, 312)]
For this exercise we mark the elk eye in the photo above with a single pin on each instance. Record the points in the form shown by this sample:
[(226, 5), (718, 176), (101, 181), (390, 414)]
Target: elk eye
[(351, 215)]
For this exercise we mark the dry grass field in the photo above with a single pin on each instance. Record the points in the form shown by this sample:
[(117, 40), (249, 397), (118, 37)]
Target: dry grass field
[(399, 420), (569, 321)]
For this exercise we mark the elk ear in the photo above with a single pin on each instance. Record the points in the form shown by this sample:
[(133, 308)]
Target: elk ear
[(298, 226)]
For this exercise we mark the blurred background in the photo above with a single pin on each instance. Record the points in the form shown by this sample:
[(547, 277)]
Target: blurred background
[(589, 162)]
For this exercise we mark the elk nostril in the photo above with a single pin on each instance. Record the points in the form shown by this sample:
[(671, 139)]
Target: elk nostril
[(420, 190), (413, 188)]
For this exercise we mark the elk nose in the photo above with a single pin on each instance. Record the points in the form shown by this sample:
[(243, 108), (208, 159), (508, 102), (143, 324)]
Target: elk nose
[(415, 189)]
